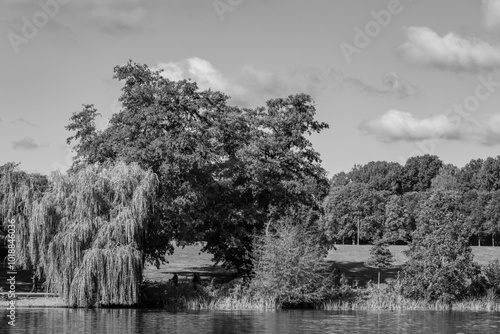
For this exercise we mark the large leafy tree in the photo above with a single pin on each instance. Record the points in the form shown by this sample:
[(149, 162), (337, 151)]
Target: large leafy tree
[(224, 171)]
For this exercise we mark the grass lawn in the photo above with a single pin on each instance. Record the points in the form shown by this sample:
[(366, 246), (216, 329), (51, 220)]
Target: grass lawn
[(186, 261), (349, 259)]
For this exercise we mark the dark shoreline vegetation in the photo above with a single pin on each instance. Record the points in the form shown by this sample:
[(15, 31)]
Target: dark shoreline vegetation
[(179, 165)]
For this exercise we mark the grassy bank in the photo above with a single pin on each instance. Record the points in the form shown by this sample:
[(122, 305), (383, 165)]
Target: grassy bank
[(216, 293), (371, 298)]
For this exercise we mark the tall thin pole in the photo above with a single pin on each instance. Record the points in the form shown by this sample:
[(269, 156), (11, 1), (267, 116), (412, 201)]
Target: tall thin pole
[(358, 231)]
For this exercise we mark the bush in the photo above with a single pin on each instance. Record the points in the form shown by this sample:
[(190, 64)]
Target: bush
[(491, 272), (289, 267)]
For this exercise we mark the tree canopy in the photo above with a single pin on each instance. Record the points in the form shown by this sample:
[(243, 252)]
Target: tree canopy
[(224, 171)]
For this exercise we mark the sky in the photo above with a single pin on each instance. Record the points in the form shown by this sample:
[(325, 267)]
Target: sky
[(393, 79)]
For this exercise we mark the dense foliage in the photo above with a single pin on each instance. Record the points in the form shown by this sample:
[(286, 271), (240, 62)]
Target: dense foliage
[(85, 233), (180, 164), (289, 266), (224, 172), (382, 200), (440, 262)]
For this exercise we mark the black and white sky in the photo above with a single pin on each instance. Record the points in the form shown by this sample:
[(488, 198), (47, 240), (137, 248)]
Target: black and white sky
[(393, 78)]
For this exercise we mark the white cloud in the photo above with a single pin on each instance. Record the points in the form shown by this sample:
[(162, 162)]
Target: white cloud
[(206, 76), (395, 125), (247, 87), (450, 52), (491, 13), (250, 86)]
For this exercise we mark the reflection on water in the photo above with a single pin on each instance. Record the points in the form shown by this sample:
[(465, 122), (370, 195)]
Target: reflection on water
[(125, 321)]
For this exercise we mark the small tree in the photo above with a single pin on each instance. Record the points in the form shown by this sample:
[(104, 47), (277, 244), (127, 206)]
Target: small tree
[(289, 266), (381, 256)]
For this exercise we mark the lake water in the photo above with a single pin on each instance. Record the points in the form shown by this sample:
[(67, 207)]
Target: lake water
[(123, 321)]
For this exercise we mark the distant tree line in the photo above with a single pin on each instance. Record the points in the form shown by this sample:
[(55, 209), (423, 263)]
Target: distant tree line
[(385, 201)]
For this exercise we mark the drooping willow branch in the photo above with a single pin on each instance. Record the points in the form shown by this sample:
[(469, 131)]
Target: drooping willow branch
[(86, 232)]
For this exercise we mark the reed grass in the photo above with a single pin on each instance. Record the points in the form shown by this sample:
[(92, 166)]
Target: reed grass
[(238, 297), (186, 296), (372, 299)]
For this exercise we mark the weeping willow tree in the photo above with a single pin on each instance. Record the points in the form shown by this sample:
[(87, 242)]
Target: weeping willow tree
[(18, 193), (86, 231)]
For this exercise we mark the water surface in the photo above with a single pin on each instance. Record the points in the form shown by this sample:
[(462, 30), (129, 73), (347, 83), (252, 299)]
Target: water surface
[(124, 321)]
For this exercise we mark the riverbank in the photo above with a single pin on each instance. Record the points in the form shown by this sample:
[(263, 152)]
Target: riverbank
[(27, 302), (376, 302), (213, 294)]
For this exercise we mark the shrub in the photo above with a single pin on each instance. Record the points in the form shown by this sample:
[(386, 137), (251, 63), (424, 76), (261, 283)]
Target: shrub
[(491, 272), (289, 267)]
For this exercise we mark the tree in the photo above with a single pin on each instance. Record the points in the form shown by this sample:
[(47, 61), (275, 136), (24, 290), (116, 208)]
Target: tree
[(440, 265), (419, 171), (492, 215), (379, 175), (447, 178), (489, 176), (339, 180), (85, 232), (18, 192), (399, 223), (468, 177), (474, 203), (224, 172), (355, 211), (289, 266), (380, 255)]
